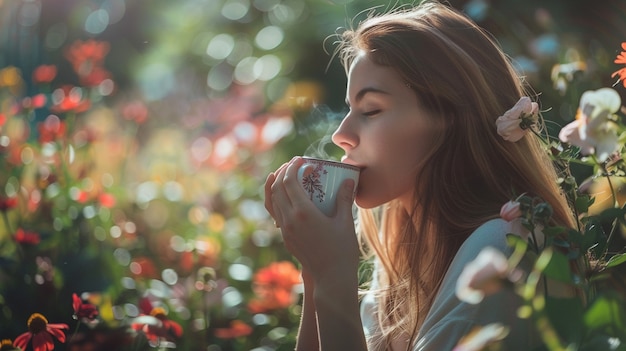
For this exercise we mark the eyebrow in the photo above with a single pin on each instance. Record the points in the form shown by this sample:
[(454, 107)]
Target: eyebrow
[(359, 96)]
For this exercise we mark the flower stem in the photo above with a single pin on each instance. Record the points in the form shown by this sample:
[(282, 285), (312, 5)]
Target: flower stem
[(75, 332), (615, 203)]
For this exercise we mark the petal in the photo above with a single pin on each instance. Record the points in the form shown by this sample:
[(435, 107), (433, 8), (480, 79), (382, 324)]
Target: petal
[(601, 99), (606, 145), (23, 340), (43, 342), (55, 329), (509, 129), (174, 327), (76, 302)]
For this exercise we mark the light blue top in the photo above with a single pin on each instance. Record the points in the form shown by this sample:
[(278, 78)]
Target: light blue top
[(449, 319)]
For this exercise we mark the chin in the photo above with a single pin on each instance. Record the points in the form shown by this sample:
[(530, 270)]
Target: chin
[(365, 203)]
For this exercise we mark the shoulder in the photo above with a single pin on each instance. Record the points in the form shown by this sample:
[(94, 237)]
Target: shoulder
[(449, 319), (491, 233)]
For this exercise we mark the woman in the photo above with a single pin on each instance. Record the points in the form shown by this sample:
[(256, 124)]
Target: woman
[(425, 87)]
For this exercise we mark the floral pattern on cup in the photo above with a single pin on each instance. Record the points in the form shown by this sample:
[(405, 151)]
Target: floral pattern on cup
[(312, 183)]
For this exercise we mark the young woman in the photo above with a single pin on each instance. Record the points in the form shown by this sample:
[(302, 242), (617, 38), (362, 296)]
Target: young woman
[(425, 87)]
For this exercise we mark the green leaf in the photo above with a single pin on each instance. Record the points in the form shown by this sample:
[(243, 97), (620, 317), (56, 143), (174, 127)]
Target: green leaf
[(605, 313), (566, 315), (582, 203), (611, 213), (616, 260), (553, 231), (516, 241), (554, 265)]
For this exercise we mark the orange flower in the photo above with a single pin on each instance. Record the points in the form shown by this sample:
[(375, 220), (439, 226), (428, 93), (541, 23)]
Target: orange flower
[(273, 287), (7, 345), (41, 333), (237, 329), (44, 74), (621, 59)]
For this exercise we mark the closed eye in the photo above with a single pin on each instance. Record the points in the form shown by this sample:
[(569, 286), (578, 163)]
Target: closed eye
[(371, 113)]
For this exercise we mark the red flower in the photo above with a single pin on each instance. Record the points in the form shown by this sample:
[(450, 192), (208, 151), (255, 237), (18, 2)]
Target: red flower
[(237, 329), (95, 76), (26, 238), (69, 99), (44, 74), (83, 310), (621, 59), (91, 52), (41, 333), (273, 286), (51, 129), (3, 119), (37, 101), (157, 326), (87, 58), (106, 200), (7, 203), (135, 111)]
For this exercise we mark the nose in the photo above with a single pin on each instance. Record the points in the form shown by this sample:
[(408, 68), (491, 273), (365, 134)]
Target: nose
[(346, 136)]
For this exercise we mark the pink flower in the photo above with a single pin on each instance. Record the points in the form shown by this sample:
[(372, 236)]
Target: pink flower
[(483, 276), (593, 131), (510, 211), (512, 126)]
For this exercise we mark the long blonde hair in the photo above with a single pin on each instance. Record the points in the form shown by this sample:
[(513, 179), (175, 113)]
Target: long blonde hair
[(459, 73)]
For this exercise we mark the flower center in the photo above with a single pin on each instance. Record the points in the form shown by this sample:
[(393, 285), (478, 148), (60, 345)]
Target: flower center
[(6, 344), (158, 312), (37, 323)]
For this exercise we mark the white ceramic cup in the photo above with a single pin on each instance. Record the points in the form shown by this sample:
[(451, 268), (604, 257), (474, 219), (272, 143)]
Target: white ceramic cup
[(322, 183)]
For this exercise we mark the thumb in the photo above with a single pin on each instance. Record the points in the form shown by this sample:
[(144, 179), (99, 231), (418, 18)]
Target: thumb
[(345, 198)]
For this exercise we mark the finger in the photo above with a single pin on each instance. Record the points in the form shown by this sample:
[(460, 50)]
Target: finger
[(269, 182), (280, 201), (345, 199), (292, 185), (268, 193)]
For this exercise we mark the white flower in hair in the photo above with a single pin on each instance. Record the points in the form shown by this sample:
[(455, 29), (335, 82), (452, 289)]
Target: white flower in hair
[(514, 124)]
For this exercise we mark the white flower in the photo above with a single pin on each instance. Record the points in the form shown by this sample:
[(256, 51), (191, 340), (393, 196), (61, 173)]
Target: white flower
[(593, 131), (483, 276), (480, 337)]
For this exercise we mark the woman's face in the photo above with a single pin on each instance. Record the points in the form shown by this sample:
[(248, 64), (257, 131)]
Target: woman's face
[(387, 133)]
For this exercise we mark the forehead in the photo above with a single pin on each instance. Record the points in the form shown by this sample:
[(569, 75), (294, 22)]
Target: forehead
[(364, 73)]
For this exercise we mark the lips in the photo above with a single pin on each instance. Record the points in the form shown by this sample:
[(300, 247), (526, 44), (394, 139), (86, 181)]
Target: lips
[(345, 159)]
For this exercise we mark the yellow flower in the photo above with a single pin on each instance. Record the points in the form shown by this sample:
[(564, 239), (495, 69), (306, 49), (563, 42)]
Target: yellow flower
[(11, 78)]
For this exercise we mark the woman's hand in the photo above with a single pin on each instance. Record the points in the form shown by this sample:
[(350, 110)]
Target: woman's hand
[(325, 246)]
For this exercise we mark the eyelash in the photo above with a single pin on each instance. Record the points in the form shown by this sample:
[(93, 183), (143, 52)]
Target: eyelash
[(371, 113)]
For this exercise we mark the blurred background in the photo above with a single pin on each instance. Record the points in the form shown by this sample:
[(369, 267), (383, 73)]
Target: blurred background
[(136, 135)]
